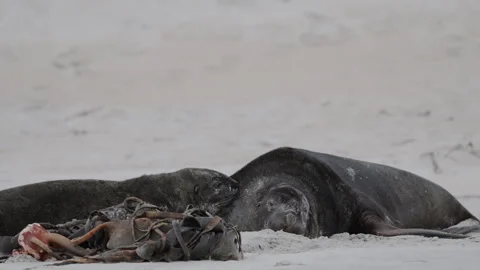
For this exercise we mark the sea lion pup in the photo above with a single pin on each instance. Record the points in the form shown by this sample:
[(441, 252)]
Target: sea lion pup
[(342, 195), (60, 201)]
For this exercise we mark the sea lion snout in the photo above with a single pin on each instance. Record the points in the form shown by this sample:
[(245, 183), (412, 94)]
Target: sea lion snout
[(284, 208), (285, 220), (290, 218)]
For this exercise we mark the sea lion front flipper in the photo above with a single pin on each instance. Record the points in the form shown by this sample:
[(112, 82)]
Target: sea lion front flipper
[(383, 229)]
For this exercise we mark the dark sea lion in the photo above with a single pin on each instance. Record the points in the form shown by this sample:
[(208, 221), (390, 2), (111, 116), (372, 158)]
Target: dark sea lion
[(60, 201), (341, 195)]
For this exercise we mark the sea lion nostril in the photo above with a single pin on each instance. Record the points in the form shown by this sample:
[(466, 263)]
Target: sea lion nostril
[(291, 218)]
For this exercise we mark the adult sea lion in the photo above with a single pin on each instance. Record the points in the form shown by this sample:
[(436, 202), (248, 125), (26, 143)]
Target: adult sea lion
[(316, 194), (60, 201)]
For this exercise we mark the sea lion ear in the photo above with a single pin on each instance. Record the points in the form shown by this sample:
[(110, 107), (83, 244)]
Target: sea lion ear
[(236, 182), (231, 182)]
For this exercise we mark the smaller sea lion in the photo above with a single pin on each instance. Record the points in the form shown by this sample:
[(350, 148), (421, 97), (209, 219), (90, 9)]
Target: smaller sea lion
[(59, 201)]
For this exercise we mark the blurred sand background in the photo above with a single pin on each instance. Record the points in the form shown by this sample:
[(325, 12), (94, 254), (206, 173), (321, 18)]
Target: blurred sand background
[(114, 89)]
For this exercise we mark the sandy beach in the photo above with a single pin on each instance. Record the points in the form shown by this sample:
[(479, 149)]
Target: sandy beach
[(115, 89)]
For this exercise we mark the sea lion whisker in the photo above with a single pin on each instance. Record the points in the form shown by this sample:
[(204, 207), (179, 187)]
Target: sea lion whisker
[(224, 202)]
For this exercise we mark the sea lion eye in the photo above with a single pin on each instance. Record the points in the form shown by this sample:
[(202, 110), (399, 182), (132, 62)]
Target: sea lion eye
[(216, 185), (195, 189)]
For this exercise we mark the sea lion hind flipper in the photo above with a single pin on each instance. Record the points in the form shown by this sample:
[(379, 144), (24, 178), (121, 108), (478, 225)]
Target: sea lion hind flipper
[(463, 229), (383, 229)]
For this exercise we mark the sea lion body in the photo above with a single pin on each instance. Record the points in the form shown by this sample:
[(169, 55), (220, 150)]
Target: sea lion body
[(60, 201), (348, 195)]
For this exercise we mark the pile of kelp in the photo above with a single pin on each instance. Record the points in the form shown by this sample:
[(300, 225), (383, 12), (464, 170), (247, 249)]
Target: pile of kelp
[(133, 231)]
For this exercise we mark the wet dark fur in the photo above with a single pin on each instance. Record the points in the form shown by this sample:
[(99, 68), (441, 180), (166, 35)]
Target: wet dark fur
[(63, 200), (349, 195)]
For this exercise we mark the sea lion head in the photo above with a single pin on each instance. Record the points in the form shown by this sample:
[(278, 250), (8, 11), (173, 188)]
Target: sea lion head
[(284, 208), (212, 190)]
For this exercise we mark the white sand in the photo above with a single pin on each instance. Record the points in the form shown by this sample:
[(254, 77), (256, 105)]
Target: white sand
[(114, 89)]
